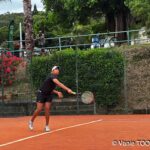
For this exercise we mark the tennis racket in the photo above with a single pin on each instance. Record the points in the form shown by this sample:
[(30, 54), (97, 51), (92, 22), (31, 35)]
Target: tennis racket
[(87, 97)]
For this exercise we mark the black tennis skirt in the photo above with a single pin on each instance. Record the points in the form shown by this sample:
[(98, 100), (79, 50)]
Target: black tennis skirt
[(43, 98)]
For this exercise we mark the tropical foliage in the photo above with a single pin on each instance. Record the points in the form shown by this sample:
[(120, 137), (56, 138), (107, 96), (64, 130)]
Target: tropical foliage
[(67, 17)]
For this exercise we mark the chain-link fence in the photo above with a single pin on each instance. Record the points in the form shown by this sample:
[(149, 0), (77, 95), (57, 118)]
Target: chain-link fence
[(18, 93), (15, 83), (104, 72)]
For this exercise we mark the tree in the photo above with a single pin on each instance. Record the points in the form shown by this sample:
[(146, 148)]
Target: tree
[(115, 12), (140, 10), (35, 11), (4, 21), (28, 23), (28, 27)]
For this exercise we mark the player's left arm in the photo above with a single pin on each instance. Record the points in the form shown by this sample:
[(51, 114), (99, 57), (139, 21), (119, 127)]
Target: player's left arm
[(60, 95)]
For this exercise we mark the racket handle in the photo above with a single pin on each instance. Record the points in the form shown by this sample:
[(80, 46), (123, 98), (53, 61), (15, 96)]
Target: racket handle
[(74, 93)]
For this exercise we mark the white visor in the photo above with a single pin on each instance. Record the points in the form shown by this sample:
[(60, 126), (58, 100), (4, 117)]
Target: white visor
[(55, 67)]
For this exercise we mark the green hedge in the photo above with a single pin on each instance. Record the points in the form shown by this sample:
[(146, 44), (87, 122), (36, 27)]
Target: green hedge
[(99, 70)]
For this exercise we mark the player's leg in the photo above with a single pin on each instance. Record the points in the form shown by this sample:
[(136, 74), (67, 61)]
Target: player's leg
[(35, 114), (37, 111), (47, 114)]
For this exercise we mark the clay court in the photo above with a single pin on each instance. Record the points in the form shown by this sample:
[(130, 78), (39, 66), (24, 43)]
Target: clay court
[(88, 132)]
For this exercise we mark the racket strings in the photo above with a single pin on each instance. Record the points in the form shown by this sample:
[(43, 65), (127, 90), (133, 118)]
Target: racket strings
[(87, 97)]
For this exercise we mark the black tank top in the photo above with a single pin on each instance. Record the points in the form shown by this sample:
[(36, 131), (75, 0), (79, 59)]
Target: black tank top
[(48, 85)]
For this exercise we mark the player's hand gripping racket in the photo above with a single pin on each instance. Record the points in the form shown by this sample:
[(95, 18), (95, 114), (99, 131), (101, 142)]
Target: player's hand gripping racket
[(87, 97)]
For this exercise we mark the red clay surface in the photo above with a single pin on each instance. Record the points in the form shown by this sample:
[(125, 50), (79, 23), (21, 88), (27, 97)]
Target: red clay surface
[(131, 132)]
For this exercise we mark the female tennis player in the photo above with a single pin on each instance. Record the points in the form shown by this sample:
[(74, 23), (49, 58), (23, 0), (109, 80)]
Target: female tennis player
[(44, 96)]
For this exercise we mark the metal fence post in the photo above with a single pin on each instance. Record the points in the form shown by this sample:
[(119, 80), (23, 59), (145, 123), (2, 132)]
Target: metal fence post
[(128, 37), (94, 108), (59, 43), (2, 72), (77, 80), (125, 83)]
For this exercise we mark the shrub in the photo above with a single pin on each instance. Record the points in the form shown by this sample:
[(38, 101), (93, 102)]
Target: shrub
[(99, 70), (8, 67)]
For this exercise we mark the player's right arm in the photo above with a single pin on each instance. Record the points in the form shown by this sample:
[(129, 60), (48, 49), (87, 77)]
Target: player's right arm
[(58, 83)]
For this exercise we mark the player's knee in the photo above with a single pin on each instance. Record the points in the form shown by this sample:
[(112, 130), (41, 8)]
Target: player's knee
[(39, 109), (47, 108)]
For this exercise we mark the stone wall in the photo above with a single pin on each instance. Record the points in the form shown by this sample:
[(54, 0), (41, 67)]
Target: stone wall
[(138, 77)]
